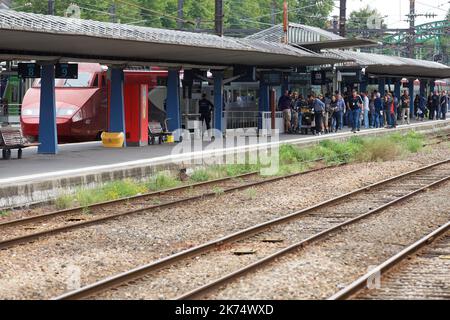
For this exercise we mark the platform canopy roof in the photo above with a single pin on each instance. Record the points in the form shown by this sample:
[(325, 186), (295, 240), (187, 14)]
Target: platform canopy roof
[(378, 64), (42, 37), (308, 37)]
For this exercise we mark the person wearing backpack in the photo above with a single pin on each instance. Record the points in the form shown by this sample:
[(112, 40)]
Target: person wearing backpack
[(356, 104), (405, 101), (378, 104), (319, 109)]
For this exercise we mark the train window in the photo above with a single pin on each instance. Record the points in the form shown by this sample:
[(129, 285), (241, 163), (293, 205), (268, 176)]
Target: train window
[(83, 81)]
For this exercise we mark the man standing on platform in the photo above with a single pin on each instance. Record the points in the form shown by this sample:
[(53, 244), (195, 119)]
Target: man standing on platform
[(284, 105), (319, 109), (356, 105), (434, 108), (205, 107), (405, 102)]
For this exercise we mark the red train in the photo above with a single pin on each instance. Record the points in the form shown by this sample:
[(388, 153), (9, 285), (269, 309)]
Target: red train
[(82, 104)]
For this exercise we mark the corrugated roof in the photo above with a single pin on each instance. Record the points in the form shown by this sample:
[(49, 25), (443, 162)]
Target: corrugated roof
[(25, 33), (310, 38), (378, 64)]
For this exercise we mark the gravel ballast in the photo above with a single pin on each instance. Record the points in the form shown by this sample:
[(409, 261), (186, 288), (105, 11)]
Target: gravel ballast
[(55, 265), (321, 269)]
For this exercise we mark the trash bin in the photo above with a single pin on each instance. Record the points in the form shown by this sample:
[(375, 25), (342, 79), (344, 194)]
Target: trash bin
[(113, 139)]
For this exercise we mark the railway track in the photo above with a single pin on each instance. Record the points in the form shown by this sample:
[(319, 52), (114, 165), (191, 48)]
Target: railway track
[(29, 229), (268, 239), (438, 139), (404, 275)]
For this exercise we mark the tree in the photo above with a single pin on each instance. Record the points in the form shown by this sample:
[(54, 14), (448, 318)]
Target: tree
[(89, 9), (311, 13), (239, 14), (363, 20)]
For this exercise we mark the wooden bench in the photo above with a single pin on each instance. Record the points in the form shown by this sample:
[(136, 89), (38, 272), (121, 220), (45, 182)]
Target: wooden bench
[(12, 138)]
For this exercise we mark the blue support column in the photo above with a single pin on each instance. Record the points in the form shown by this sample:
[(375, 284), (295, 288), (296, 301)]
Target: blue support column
[(422, 88), (218, 100), (263, 102), (411, 95), (381, 85), (48, 136), (173, 101), (117, 109)]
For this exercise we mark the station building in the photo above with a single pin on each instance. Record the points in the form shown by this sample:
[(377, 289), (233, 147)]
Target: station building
[(242, 77)]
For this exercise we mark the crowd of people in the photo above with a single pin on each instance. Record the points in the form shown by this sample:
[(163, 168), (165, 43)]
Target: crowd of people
[(330, 113)]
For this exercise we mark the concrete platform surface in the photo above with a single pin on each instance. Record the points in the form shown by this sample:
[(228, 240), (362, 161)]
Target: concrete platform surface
[(37, 177)]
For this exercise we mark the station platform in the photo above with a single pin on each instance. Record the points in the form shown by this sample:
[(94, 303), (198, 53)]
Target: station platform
[(42, 177)]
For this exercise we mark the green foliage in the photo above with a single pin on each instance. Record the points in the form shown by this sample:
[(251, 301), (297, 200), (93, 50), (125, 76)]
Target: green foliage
[(312, 13), (359, 20), (238, 169), (218, 191), (162, 181), (200, 175), (197, 14), (295, 159), (4, 213), (63, 202), (109, 191), (250, 193)]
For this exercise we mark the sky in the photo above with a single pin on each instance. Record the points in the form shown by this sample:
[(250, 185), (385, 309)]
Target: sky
[(397, 9)]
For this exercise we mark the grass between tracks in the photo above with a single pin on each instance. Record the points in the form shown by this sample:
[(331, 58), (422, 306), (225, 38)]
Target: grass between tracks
[(4, 213), (291, 159)]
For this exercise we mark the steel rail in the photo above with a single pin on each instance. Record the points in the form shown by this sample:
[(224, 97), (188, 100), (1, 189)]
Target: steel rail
[(440, 139), (120, 201), (156, 265), (229, 277), (33, 236), (360, 283)]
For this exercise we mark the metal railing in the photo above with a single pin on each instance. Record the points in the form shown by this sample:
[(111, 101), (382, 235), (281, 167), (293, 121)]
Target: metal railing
[(10, 109), (240, 119), (10, 114)]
